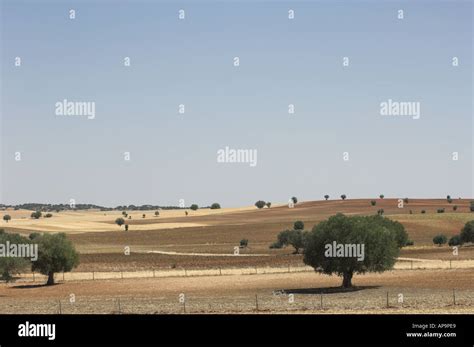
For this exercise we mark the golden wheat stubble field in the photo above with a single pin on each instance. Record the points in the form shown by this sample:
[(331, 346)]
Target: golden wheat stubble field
[(206, 239)]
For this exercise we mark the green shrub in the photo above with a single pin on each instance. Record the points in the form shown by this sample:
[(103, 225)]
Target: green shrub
[(36, 215), (455, 240), (467, 232), (298, 225), (215, 206), (440, 239)]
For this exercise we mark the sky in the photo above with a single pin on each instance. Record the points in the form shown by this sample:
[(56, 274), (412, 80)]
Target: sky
[(190, 61)]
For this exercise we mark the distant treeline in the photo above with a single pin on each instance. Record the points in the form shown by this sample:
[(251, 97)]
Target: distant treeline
[(66, 207)]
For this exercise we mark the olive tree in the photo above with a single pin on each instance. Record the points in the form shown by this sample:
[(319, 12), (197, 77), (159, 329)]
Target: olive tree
[(120, 221), (440, 239), (467, 232), (376, 240), (55, 254), (10, 266)]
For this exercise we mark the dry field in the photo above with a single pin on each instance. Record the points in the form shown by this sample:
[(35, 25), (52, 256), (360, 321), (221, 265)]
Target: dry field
[(424, 291), (205, 240)]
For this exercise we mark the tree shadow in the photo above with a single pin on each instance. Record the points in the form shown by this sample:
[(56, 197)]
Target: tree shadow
[(328, 290), (29, 286)]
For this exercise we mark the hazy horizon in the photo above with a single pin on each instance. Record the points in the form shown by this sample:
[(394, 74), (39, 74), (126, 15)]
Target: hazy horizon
[(190, 61)]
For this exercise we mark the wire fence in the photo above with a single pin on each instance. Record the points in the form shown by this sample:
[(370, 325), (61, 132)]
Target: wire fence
[(361, 300), (255, 270)]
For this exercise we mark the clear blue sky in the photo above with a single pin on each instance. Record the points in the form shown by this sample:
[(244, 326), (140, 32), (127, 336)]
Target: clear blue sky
[(283, 61)]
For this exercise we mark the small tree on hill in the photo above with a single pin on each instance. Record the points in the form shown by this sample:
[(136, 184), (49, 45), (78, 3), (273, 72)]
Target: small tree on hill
[(260, 204), (294, 199), (343, 196), (467, 232), (455, 240), (194, 207), (326, 197), (36, 215), (157, 213), (373, 202), (55, 254), (215, 206), (7, 217), (381, 196), (295, 238), (120, 221), (298, 225), (440, 239)]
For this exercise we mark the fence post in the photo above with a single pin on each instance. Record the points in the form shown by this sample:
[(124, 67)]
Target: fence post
[(412, 264), (454, 296), (33, 276), (59, 303), (121, 274), (184, 306), (220, 271), (387, 299), (288, 267), (450, 264), (256, 302), (119, 308), (321, 304), (93, 275), (63, 276)]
